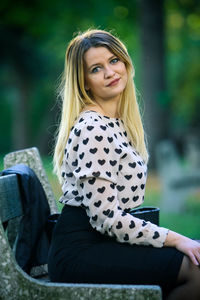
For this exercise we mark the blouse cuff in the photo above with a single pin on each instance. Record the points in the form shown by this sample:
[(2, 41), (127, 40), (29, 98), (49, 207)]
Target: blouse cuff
[(157, 235)]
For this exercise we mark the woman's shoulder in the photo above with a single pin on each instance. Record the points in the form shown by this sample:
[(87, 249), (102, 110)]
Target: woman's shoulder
[(85, 119), (86, 123)]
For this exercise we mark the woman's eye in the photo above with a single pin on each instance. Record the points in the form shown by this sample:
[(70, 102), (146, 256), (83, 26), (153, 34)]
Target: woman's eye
[(114, 60), (95, 70)]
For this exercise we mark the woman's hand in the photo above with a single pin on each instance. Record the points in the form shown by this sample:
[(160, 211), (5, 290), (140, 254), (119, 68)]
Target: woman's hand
[(184, 244)]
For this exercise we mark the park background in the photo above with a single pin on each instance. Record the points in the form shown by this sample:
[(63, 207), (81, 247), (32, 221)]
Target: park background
[(163, 40)]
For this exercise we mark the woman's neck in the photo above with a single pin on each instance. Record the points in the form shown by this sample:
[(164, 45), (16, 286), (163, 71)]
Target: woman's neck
[(107, 109)]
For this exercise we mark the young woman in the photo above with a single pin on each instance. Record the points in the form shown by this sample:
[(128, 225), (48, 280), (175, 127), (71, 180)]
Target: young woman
[(101, 161)]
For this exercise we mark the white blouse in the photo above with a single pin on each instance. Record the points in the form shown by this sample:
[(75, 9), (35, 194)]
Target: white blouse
[(104, 174)]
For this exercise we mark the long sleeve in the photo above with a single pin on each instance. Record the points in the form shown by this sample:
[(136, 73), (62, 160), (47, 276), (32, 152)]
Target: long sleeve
[(101, 180)]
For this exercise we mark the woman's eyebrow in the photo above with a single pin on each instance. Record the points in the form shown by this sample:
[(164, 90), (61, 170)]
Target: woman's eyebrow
[(96, 64)]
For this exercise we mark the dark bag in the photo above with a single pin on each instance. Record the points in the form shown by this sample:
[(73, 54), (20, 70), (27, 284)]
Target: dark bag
[(51, 222), (147, 213)]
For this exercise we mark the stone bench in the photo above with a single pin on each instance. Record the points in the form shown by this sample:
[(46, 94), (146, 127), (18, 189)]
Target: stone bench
[(15, 284)]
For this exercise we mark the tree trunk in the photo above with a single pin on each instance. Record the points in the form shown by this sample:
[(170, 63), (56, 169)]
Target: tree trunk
[(153, 73), (20, 124)]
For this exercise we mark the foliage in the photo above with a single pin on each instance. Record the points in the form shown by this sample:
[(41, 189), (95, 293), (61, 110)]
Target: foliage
[(34, 36), (183, 68)]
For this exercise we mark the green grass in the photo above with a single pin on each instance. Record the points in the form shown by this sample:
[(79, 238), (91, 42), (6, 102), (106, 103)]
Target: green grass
[(53, 180), (1, 161), (187, 222)]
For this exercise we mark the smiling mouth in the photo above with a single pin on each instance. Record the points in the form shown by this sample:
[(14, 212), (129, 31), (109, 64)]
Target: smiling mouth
[(114, 82)]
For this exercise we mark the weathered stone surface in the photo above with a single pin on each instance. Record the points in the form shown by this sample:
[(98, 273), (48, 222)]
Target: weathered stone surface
[(31, 158)]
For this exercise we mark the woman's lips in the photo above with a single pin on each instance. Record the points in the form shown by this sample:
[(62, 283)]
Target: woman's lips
[(114, 82)]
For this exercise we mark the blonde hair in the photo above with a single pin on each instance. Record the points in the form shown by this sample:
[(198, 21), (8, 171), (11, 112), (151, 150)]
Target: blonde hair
[(75, 98)]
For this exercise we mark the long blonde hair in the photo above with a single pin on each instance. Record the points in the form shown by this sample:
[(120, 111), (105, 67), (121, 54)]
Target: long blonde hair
[(75, 98)]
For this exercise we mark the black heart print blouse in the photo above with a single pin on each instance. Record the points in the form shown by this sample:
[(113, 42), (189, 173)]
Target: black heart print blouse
[(104, 174)]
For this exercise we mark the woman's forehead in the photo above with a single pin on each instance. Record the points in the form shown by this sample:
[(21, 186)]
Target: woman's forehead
[(94, 54)]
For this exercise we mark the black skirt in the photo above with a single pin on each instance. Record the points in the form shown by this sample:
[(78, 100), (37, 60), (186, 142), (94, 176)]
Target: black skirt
[(80, 254)]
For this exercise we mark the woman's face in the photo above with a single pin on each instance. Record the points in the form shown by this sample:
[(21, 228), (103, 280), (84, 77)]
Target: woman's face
[(105, 74)]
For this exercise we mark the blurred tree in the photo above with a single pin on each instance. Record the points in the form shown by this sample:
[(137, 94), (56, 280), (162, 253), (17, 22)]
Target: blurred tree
[(153, 89), (183, 67), (22, 59), (20, 75)]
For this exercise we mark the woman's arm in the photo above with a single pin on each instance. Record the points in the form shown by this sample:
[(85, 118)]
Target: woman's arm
[(184, 244)]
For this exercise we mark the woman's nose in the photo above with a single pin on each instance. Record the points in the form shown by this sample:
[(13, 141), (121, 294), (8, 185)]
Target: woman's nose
[(108, 72)]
